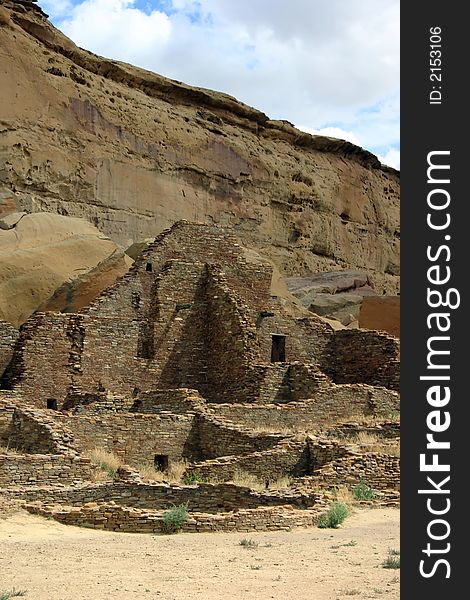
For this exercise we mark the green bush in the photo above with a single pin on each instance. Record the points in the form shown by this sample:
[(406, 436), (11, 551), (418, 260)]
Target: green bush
[(191, 477), (393, 559), (363, 492), (175, 517), (336, 514)]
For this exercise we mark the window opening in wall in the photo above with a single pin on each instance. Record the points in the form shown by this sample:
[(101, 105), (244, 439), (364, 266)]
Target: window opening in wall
[(278, 348), (51, 403), (135, 300), (161, 462), (149, 267)]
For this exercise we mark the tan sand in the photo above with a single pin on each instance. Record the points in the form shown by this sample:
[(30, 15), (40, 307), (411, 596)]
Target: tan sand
[(57, 562)]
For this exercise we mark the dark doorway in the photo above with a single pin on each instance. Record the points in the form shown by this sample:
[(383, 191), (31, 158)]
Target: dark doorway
[(278, 348), (161, 462), (52, 403), (149, 267)]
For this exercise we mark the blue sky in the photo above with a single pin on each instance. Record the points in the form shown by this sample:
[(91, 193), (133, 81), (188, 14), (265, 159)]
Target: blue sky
[(328, 66)]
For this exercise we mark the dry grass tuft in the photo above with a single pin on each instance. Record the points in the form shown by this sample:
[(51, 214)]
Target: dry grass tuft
[(9, 450), (364, 438), (345, 495), (108, 463), (174, 474)]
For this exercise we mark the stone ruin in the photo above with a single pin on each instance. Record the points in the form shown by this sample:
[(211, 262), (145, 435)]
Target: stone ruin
[(190, 357)]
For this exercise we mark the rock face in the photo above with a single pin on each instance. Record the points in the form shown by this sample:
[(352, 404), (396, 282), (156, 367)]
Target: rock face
[(382, 313), (337, 294), (54, 262), (133, 152)]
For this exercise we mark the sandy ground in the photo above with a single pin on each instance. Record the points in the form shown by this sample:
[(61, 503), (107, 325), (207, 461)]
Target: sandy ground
[(57, 562)]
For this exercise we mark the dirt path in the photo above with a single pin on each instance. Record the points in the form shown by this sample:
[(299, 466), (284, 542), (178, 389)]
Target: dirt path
[(56, 562)]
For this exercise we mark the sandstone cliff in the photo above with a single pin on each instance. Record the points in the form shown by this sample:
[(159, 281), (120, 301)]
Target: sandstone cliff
[(133, 152)]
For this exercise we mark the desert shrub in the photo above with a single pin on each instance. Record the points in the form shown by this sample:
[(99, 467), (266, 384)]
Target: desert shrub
[(336, 514), (248, 543), (363, 492), (191, 477), (175, 517), (393, 559)]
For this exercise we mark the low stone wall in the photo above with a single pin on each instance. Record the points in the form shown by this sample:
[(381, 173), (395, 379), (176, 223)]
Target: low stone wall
[(203, 497), (176, 401), (136, 438), (124, 519), (349, 431), (33, 469), (328, 406), (219, 437), (287, 458), (33, 431), (379, 471)]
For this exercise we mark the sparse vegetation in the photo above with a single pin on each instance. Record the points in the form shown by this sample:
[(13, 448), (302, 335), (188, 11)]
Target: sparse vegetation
[(191, 477), (343, 494), (9, 450), (108, 463), (393, 559), (12, 594), (174, 474), (248, 543), (336, 514), (175, 517), (363, 492)]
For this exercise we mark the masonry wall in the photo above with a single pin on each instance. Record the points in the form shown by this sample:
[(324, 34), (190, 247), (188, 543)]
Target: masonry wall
[(359, 356), (327, 406), (35, 469), (219, 438), (203, 244), (176, 401), (379, 471), (34, 432), (136, 438), (123, 519), (231, 339), (44, 363), (290, 458), (6, 415), (8, 337), (307, 338), (203, 497)]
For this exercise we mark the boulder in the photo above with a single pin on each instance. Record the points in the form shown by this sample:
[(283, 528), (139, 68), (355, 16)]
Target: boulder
[(43, 252)]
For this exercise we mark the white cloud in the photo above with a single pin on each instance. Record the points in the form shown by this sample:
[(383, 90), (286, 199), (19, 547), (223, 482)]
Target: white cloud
[(322, 64), (335, 132), (56, 8), (116, 29), (391, 158)]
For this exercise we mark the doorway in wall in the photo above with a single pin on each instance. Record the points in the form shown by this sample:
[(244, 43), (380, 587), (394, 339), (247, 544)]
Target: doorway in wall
[(161, 462), (278, 348)]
